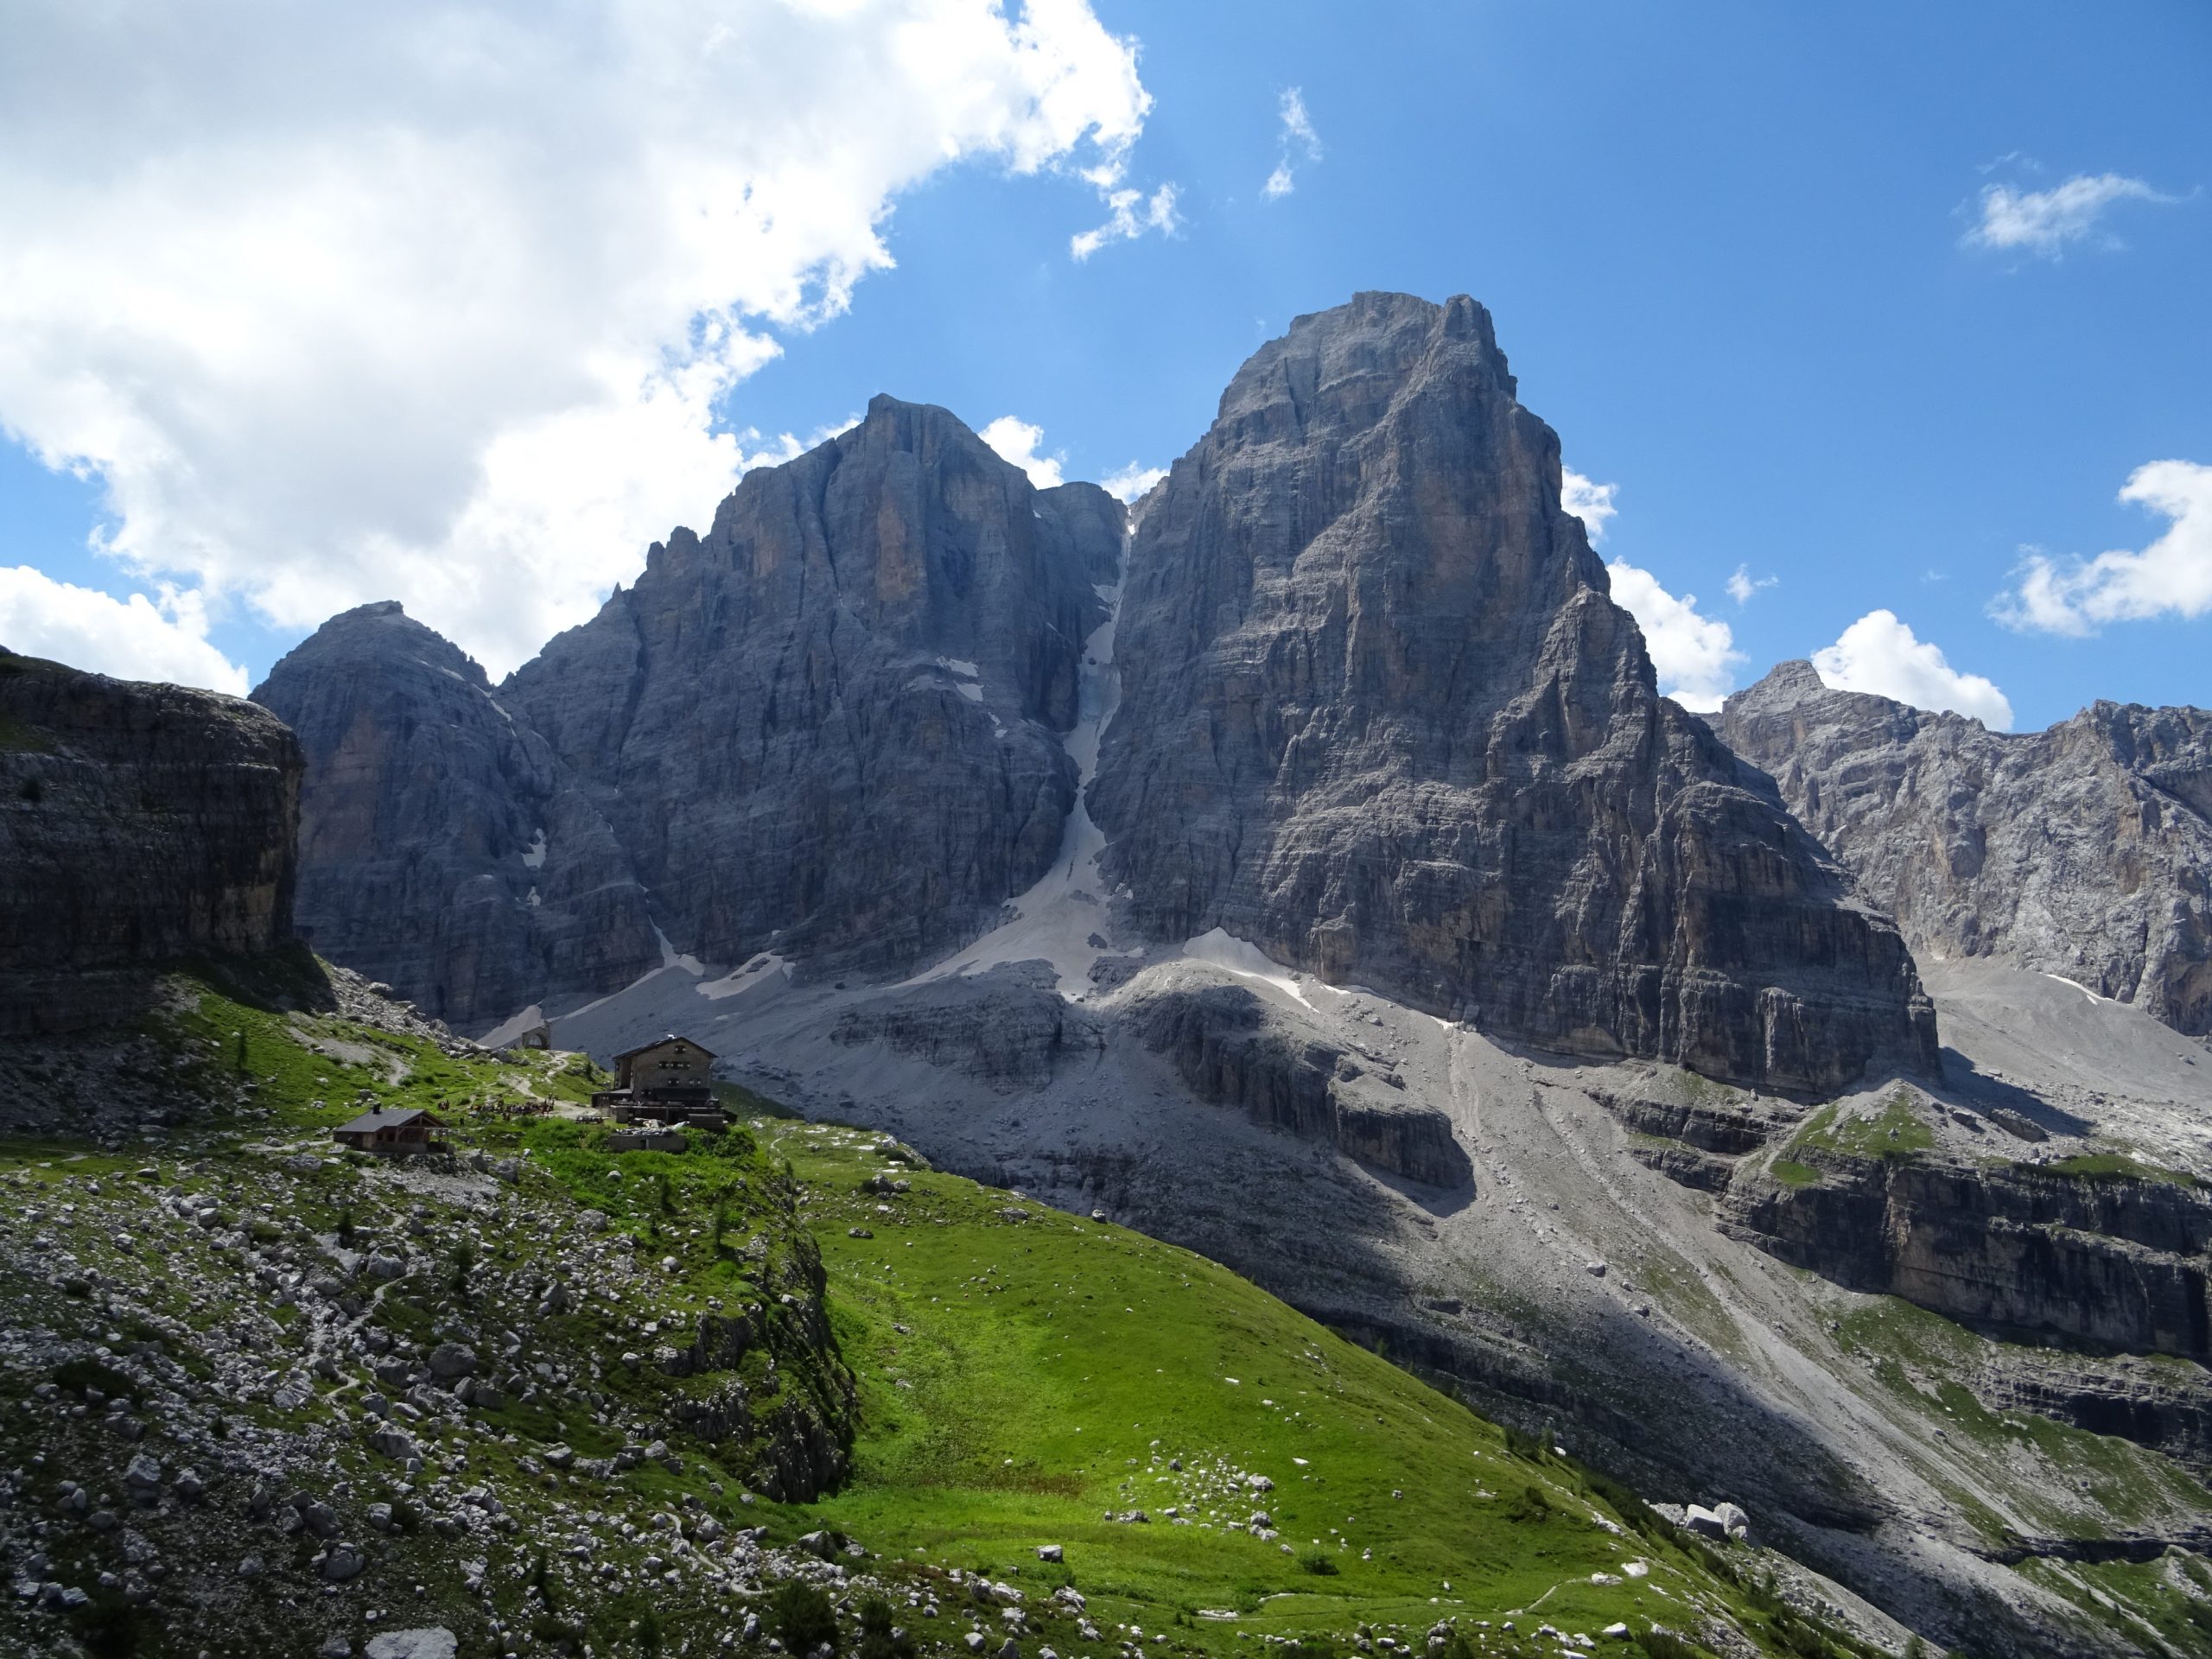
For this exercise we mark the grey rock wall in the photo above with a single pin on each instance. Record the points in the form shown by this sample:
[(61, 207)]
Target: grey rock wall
[(443, 848), (2084, 850), (1380, 717), (139, 824), (831, 726)]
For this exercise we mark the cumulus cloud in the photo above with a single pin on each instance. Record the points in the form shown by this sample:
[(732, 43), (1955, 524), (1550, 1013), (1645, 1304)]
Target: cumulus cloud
[(439, 299), (1742, 585), (2172, 576), (134, 638), (1880, 654), (1695, 656), (1130, 213), (2043, 222), (1016, 441), (1132, 482), (1299, 142), (1591, 502)]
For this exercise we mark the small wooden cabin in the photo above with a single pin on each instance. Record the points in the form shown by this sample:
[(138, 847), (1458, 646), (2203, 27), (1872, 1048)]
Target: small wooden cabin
[(391, 1133), (668, 1063)]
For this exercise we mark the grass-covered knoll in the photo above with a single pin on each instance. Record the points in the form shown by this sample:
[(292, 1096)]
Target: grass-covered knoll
[(317, 1070), (2115, 1166), (1896, 1131), (1029, 1378)]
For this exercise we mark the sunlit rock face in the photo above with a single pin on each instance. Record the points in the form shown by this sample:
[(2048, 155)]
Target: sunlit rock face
[(1380, 717)]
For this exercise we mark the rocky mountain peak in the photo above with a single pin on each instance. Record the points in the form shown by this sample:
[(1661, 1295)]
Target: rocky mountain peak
[(1380, 717), (882, 637), (443, 849)]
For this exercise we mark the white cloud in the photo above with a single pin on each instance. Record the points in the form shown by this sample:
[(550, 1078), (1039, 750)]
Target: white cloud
[(1878, 653), (2044, 221), (1299, 142), (1016, 441), (1742, 586), (1695, 656), (1132, 482), (437, 298), (134, 639), (2173, 575), (1591, 502), (1130, 213)]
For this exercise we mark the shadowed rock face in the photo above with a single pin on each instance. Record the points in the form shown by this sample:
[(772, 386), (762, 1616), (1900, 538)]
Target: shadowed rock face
[(2103, 1263), (831, 726), (138, 824), (443, 849), (1379, 716), (2084, 850)]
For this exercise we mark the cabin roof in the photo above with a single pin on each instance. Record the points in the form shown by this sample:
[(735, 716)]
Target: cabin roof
[(663, 1042)]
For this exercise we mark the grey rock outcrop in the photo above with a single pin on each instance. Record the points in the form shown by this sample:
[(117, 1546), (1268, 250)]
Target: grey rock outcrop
[(2102, 1262), (1380, 717), (829, 728), (1227, 1048), (443, 849), (138, 824), (2084, 850)]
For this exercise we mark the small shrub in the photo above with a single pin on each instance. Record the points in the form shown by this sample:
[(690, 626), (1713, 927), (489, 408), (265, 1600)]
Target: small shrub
[(879, 1637), (802, 1618), (1308, 1647), (1319, 1561), (1530, 1506)]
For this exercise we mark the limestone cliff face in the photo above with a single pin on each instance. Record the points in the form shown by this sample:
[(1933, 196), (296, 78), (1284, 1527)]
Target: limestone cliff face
[(443, 849), (831, 726), (2085, 850), (138, 824), (1380, 716)]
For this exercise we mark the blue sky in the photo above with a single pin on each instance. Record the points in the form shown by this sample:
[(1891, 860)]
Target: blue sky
[(1733, 259)]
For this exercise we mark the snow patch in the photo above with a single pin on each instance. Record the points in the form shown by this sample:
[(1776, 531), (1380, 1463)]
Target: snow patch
[(1218, 948), (766, 968), (533, 900), (534, 856), (973, 693), (1057, 919), (966, 670), (2078, 986), (670, 957)]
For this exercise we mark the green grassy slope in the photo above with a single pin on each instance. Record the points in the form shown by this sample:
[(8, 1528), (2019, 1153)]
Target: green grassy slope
[(1026, 1373)]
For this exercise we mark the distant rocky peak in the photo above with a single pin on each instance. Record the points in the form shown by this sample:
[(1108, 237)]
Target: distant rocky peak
[(383, 629)]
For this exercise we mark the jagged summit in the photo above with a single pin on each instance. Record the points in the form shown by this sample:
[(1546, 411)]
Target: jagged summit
[(1380, 716), (831, 726), (2079, 851)]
